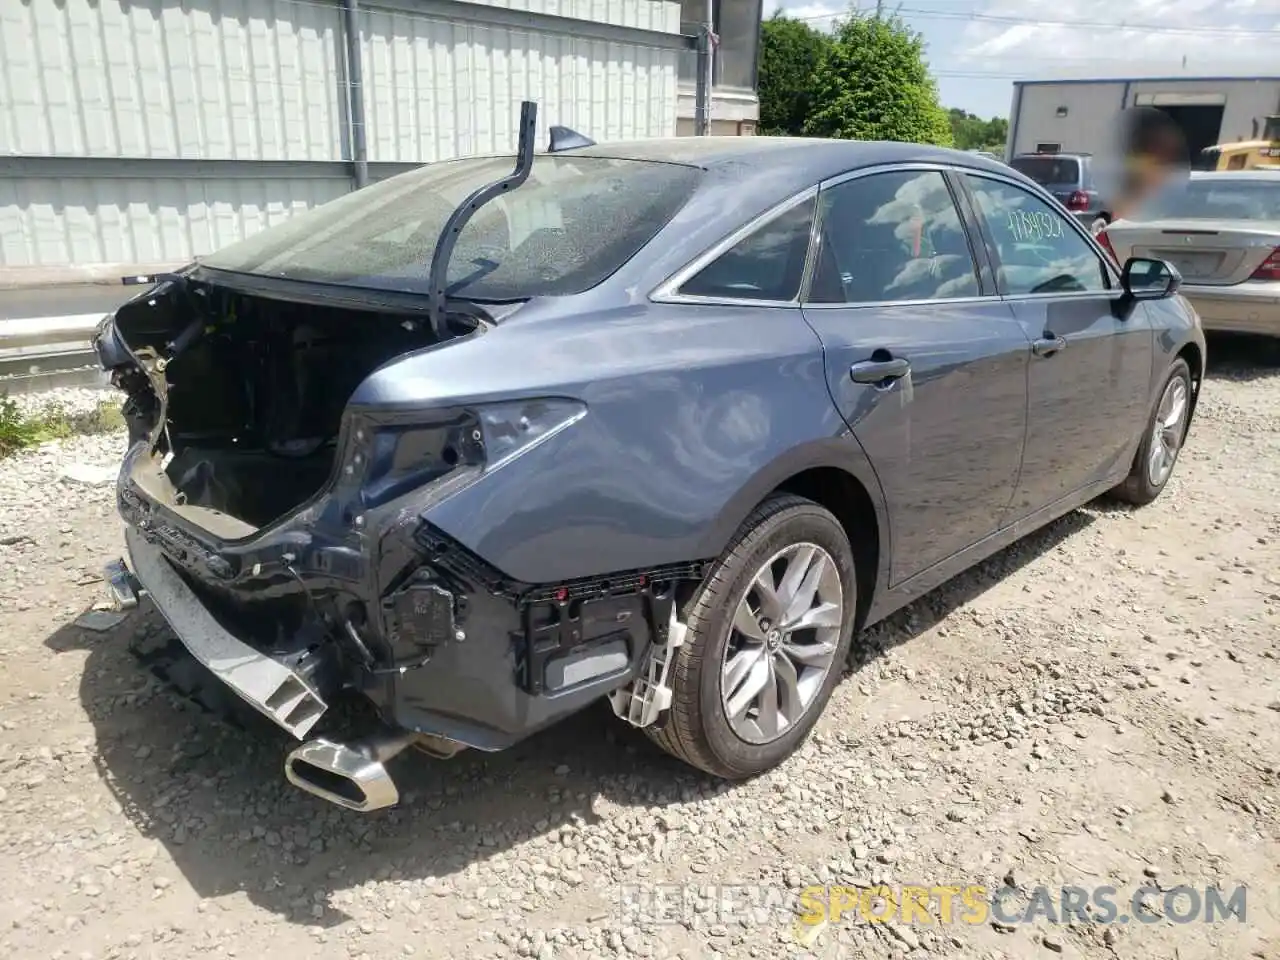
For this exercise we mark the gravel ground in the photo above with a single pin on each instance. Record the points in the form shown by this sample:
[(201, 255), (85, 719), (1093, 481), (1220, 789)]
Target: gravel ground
[(69, 400), (1099, 704)]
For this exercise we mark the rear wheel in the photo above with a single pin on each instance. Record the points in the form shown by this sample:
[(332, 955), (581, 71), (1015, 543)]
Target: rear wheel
[(768, 633), (1161, 441)]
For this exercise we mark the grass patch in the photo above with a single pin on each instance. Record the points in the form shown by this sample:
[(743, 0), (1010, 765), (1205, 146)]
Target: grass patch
[(21, 428)]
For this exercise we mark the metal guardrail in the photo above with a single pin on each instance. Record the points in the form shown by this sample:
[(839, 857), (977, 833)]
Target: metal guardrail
[(44, 353), (42, 331)]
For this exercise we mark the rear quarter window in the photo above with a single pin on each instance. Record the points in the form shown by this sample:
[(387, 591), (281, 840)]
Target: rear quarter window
[(765, 265)]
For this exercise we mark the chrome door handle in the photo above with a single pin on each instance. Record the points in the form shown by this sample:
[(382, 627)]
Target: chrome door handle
[(878, 371), (1048, 346)]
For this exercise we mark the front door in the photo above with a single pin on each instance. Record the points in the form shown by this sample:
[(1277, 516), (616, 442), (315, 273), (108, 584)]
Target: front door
[(927, 368), (1090, 374)]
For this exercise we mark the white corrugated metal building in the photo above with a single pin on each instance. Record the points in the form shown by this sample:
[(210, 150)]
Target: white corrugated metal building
[(143, 132), (1078, 115)]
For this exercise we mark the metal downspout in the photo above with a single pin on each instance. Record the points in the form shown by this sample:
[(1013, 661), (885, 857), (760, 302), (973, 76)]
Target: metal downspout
[(1011, 150), (706, 72), (702, 92), (355, 93)]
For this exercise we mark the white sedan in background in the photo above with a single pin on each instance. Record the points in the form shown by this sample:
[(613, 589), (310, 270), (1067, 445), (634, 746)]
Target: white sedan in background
[(1222, 232)]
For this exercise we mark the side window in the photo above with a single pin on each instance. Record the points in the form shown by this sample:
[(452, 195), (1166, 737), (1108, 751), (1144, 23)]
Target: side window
[(892, 236), (1039, 251), (767, 264)]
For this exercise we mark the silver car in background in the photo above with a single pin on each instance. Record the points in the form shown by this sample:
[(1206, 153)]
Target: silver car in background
[(1222, 232)]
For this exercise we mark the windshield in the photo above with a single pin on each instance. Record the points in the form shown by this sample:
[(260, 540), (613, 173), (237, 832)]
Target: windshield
[(569, 226), (1048, 170), (1242, 199)]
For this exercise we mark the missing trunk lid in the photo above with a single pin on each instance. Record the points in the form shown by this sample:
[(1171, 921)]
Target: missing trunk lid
[(243, 407), (243, 391)]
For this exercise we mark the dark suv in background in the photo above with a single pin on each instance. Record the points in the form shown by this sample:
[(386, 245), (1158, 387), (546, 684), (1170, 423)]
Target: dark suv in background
[(1070, 177)]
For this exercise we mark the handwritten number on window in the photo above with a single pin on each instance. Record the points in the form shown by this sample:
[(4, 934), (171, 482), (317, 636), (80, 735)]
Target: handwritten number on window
[(1034, 226)]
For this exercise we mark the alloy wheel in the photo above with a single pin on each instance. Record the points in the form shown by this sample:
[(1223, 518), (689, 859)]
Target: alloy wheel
[(782, 643), (1167, 431)]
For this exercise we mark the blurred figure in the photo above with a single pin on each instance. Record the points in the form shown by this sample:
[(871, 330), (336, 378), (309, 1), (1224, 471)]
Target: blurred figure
[(1150, 153)]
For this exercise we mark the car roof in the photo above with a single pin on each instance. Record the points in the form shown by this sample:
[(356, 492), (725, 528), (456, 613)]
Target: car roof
[(1056, 153), (806, 160), (1273, 175), (746, 177)]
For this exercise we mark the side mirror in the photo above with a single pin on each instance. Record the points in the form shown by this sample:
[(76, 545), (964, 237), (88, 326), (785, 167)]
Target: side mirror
[(1144, 278)]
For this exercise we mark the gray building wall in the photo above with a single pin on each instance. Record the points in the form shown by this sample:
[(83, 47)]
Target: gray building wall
[(735, 103), (151, 131), (1093, 105)]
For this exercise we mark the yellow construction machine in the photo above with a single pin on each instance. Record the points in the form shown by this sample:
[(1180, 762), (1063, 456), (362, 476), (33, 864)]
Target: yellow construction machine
[(1261, 154)]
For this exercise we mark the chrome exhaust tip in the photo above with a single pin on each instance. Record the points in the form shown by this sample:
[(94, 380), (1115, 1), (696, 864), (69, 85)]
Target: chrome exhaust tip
[(352, 775)]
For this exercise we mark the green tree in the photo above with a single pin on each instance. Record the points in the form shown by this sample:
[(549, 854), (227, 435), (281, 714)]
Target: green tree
[(790, 50), (997, 134), (971, 132), (873, 84)]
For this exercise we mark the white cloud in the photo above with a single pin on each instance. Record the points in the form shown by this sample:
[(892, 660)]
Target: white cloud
[(1214, 36), (819, 14)]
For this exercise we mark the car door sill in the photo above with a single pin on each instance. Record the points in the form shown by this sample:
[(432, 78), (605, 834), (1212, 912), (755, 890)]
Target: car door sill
[(921, 583)]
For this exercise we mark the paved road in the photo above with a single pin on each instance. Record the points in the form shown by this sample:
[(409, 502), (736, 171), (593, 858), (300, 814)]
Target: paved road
[(64, 301)]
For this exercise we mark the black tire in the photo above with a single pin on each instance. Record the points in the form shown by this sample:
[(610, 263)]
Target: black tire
[(696, 729), (1137, 488)]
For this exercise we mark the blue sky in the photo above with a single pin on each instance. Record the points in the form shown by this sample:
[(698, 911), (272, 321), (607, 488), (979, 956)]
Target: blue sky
[(978, 47)]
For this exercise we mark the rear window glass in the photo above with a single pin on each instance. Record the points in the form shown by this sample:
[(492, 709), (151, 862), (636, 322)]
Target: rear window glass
[(574, 222), (1215, 200), (1048, 170)]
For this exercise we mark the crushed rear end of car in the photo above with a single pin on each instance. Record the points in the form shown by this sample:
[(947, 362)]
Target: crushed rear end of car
[(300, 565), (278, 515)]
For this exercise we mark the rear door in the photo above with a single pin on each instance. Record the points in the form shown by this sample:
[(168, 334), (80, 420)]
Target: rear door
[(1089, 381), (926, 365)]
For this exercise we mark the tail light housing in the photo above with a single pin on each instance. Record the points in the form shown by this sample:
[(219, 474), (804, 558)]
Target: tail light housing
[(388, 460), (1270, 268), (1079, 200), (1106, 245)]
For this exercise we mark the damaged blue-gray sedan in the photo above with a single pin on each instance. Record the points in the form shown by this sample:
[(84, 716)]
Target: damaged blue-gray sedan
[(662, 422)]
